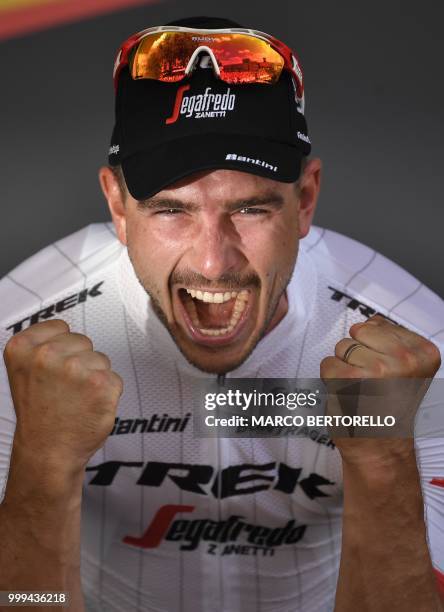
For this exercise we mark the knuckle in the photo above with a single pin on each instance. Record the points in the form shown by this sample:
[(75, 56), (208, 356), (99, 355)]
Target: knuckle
[(84, 340), (325, 362), (16, 345), (328, 367), (433, 354), (410, 360), (366, 325), (379, 369), (341, 347), (72, 365), (117, 383), (105, 388), (52, 326), (405, 355), (104, 359), (379, 318), (361, 331), (58, 325), (75, 340), (45, 354), (97, 380), (357, 327)]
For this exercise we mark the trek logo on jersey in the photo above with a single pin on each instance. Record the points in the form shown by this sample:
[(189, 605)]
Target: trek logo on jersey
[(201, 479), (201, 106), (50, 311), (355, 304), (233, 535)]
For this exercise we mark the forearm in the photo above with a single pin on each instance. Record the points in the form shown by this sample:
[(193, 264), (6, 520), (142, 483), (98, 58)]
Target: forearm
[(40, 530), (385, 562)]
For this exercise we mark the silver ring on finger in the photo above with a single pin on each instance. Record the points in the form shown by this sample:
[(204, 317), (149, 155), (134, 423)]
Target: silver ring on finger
[(350, 350)]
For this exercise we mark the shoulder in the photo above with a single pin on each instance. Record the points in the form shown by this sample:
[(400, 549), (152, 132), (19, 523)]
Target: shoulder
[(363, 279), (55, 271)]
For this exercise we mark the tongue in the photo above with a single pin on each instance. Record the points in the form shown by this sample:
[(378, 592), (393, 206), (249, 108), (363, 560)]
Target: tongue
[(214, 316)]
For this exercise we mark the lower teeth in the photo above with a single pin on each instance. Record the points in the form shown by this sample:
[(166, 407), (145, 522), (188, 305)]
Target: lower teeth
[(238, 308), (216, 332)]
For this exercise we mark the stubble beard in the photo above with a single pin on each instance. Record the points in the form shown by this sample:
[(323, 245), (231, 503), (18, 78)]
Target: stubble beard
[(157, 309)]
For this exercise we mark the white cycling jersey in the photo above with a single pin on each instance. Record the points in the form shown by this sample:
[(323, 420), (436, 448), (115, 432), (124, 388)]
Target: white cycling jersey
[(176, 523)]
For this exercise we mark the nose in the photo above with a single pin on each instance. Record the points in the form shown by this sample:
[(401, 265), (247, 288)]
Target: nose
[(217, 248)]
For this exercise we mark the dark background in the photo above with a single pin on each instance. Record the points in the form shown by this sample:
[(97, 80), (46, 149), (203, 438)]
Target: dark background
[(375, 99)]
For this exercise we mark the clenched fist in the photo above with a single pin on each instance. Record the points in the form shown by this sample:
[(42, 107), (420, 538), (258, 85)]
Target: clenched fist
[(395, 367), (65, 394), (383, 350)]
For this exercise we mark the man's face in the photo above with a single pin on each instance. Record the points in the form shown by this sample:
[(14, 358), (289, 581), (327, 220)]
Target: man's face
[(215, 252)]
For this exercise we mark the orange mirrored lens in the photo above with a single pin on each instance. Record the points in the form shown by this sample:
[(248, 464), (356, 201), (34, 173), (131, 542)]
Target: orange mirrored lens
[(163, 56), (241, 58), (245, 59)]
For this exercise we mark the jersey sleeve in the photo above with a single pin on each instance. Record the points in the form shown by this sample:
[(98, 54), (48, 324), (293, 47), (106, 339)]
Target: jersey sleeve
[(7, 428), (430, 458)]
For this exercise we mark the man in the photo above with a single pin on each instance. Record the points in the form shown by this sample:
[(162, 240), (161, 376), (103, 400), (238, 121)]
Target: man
[(211, 195)]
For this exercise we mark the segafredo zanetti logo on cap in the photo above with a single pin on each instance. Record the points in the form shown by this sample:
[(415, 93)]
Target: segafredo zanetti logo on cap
[(207, 105)]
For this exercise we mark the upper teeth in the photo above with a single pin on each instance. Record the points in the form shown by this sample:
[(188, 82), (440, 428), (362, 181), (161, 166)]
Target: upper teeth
[(217, 298)]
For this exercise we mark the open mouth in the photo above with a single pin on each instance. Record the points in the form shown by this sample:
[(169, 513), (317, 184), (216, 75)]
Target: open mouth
[(215, 314)]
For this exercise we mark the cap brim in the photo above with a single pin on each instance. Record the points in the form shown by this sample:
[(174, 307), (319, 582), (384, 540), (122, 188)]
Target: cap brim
[(148, 173)]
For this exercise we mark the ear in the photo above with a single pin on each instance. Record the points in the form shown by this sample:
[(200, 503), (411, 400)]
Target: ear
[(310, 184), (116, 201)]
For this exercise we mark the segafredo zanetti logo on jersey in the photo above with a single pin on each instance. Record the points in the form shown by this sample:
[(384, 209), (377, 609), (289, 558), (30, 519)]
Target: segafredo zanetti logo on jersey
[(206, 105), (233, 535)]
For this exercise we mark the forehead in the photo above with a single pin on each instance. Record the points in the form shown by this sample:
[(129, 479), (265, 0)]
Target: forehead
[(220, 186)]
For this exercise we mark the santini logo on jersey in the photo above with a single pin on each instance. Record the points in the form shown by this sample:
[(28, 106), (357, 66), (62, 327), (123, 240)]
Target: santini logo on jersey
[(155, 424), (201, 106), (250, 160)]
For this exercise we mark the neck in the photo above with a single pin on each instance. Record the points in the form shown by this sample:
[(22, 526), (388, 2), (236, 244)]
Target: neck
[(279, 314)]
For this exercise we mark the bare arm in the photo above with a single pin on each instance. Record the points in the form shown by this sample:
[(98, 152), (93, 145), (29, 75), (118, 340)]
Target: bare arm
[(385, 561), (40, 530), (65, 398)]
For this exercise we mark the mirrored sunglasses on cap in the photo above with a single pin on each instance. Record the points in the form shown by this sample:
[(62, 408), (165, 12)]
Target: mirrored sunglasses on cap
[(239, 56)]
